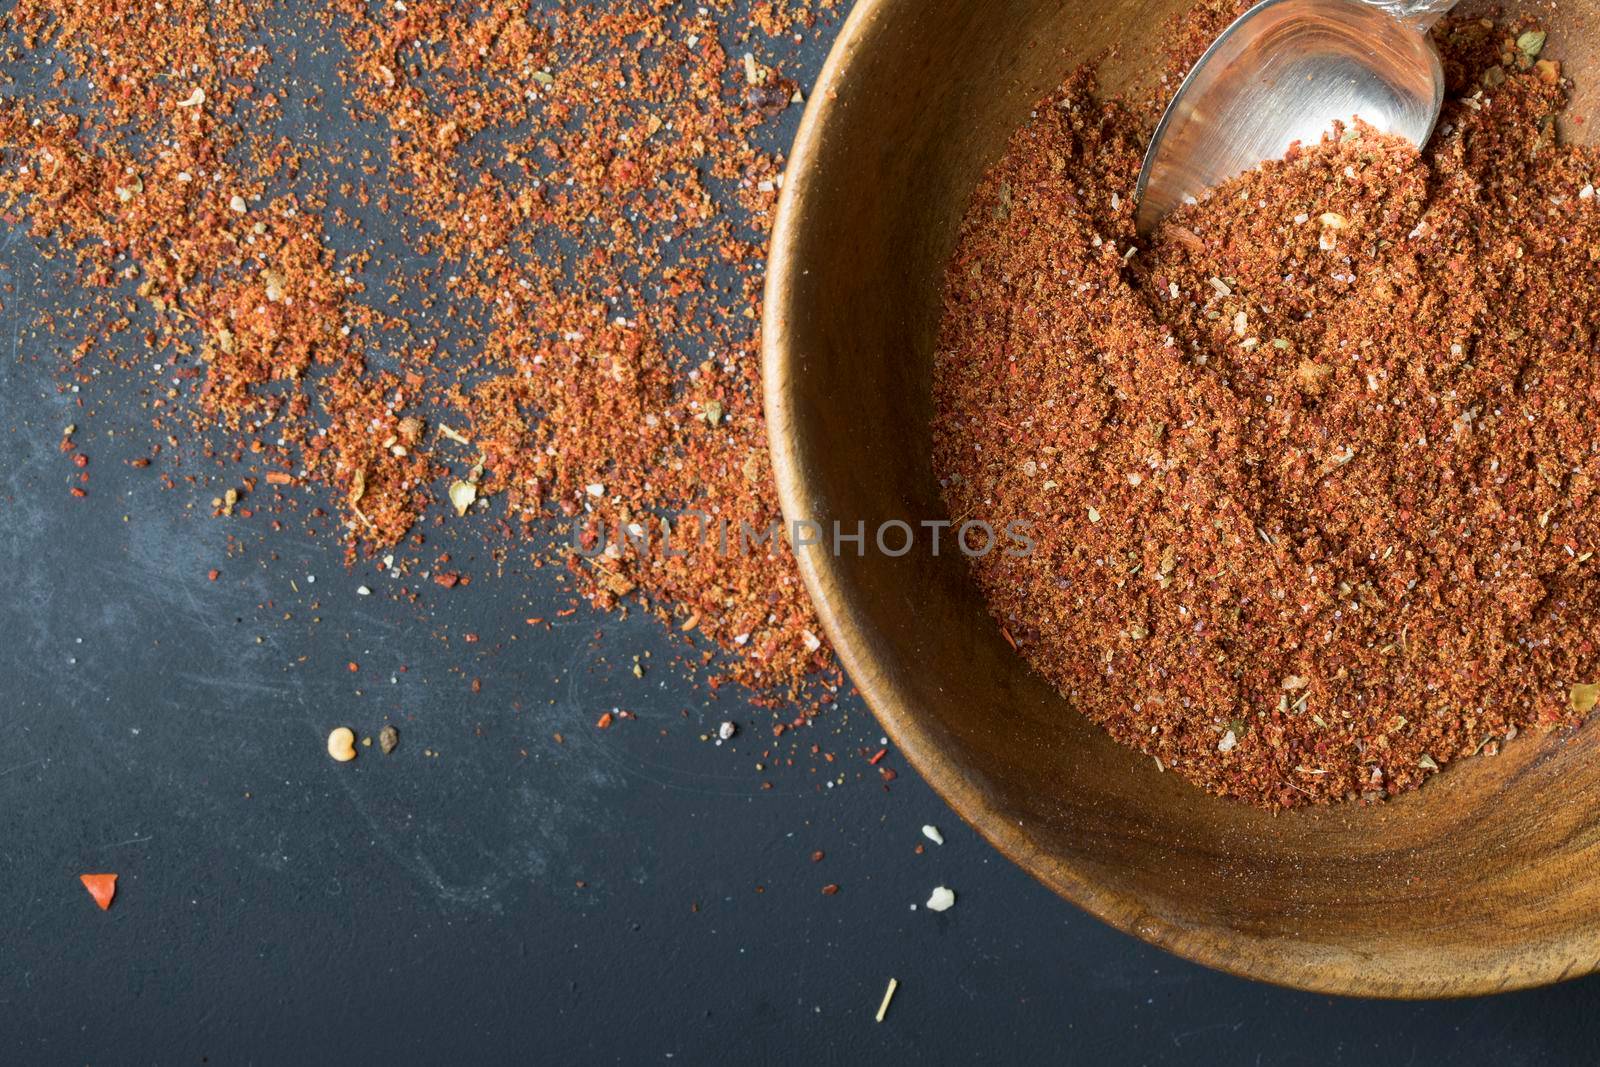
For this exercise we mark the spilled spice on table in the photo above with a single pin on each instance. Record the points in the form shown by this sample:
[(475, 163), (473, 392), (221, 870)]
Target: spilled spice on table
[(1312, 473), (580, 345)]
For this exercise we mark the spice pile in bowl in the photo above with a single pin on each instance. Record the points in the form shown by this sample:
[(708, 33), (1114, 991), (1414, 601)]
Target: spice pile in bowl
[(1312, 473)]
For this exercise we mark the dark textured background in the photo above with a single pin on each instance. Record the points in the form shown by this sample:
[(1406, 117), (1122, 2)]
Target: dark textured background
[(275, 907)]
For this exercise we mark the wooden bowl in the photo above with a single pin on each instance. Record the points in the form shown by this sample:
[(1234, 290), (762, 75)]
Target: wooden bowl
[(1483, 880)]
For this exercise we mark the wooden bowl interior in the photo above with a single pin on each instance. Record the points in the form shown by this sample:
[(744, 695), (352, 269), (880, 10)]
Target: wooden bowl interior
[(1480, 881)]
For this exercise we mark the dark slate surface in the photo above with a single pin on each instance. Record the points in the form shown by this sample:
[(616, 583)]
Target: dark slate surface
[(632, 896)]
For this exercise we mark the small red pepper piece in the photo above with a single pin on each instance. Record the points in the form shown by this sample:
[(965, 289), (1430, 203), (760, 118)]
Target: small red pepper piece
[(102, 887)]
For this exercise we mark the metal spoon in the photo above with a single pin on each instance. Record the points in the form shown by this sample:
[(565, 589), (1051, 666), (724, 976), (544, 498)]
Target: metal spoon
[(1286, 71)]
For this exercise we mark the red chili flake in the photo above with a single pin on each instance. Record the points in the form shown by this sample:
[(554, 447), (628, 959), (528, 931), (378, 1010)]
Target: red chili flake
[(75, 491), (887, 774), (448, 579), (213, 574), (352, 666), (878, 755), (816, 857), (102, 887), (830, 889), (604, 721), (80, 460)]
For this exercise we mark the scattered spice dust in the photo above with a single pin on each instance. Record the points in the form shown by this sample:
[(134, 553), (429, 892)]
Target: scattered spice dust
[(523, 289), (1312, 473)]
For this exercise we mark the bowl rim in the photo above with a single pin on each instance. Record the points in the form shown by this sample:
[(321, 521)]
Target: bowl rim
[(1228, 950)]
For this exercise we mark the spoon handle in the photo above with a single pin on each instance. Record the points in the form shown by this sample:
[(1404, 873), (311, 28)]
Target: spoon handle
[(1419, 13)]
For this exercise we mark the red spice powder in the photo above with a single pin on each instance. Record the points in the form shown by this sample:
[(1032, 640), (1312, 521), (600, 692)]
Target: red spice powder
[(1312, 474), (555, 176)]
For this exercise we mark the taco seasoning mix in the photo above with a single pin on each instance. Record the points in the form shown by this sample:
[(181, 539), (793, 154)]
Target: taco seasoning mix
[(490, 279), (1312, 473)]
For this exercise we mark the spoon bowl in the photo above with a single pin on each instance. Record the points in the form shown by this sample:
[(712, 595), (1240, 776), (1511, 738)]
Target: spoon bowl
[(1287, 71)]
